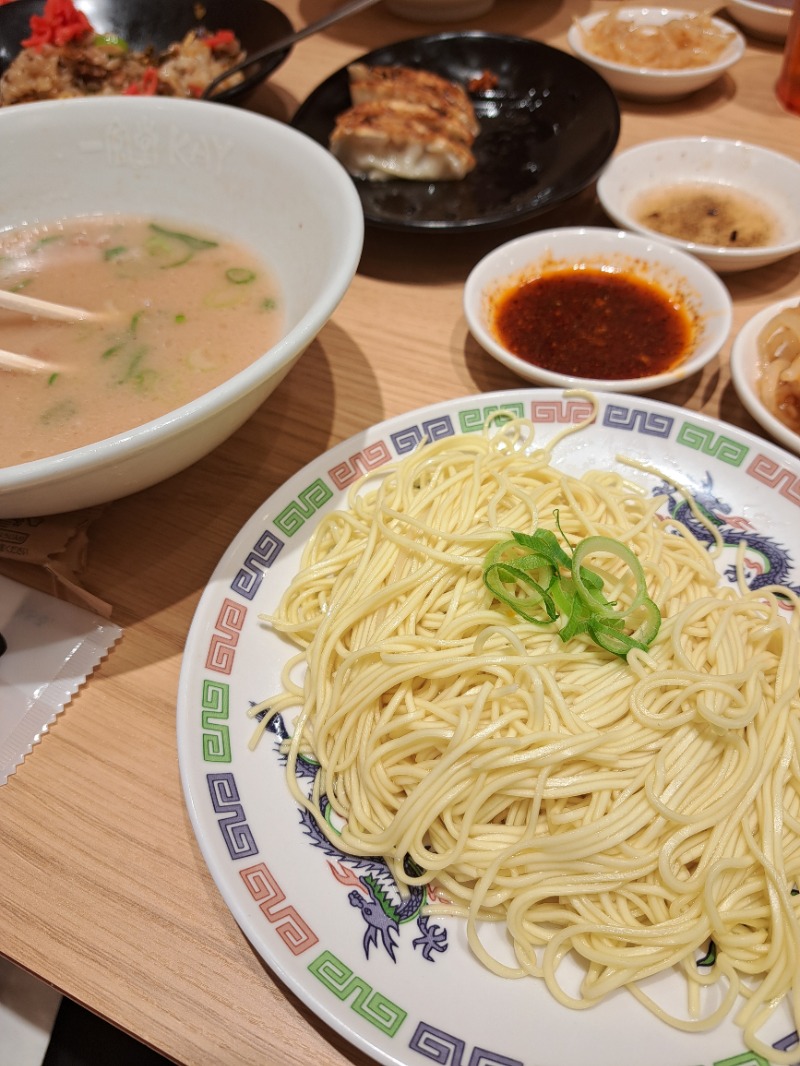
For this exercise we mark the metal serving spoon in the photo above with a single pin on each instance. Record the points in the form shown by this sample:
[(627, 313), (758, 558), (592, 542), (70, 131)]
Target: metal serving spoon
[(351, 8)]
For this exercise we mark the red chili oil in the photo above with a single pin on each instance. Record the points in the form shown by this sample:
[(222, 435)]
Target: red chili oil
[(593, 323)]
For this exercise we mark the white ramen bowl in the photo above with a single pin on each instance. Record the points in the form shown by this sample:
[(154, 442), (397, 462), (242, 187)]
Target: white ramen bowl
[(255, 180), (761, 176), (523, 259), (651, 83), (745, 373)]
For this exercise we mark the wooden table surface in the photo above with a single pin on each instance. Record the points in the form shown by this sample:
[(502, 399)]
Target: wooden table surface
[(105, 892)]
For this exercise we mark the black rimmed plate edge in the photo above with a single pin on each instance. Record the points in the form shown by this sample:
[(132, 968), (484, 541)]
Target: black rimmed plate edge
[(547, 130)]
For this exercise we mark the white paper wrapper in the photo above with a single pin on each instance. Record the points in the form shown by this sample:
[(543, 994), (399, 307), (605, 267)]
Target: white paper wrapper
[(51, 649)]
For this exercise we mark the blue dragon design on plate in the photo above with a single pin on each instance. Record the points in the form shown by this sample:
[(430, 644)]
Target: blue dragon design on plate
[(766, 562), (373, 889)]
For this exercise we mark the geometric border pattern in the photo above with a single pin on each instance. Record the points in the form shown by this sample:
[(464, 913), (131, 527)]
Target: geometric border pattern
[(429, 1042), (367, 1002), (293, 930)]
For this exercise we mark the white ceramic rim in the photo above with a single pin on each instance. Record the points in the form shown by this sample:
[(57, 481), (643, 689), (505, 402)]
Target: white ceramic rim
[(128, 443), (708, 251), (744, 368), (765, 9), (731, 55), (716, 301), (761, 20)]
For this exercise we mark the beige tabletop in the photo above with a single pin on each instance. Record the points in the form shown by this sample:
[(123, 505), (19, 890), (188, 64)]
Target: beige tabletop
[(105, 892)]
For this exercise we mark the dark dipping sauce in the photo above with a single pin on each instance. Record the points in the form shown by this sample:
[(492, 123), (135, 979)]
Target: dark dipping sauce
[(593, 323)]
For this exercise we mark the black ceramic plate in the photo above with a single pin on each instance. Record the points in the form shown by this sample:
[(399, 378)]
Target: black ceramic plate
[(546, 131), (159, 23)]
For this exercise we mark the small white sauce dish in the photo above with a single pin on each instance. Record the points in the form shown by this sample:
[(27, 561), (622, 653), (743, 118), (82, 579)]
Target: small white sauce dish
[(767, 178), (745, 374), (687, 281), (767, 21), (651, 83)]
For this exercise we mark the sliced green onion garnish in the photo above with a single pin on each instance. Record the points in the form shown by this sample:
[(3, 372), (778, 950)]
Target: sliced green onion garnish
[(189, 239), (173, 247), (540, 581), (134, 359), (110, 40), (240, 275), (591, 594), (134, 323), (59, 413)]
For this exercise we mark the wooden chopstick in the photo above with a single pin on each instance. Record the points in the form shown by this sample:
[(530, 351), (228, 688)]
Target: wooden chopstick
[(30, 305), (15, 361)]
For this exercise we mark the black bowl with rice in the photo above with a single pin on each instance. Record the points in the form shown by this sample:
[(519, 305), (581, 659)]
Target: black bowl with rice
[(150, 31)]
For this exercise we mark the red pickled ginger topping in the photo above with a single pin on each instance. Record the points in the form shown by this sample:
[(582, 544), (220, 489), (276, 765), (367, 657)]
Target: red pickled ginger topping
[(59, 23), (218, 39), (146, 86)]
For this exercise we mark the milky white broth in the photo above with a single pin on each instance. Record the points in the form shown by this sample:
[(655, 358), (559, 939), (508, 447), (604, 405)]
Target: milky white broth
[(186, 308)]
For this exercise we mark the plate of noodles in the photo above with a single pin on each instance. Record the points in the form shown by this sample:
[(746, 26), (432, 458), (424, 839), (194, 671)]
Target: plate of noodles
[(487, 728)]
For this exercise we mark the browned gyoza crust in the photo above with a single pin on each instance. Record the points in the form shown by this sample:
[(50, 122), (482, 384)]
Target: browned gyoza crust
[(405, 123), (414, 86)]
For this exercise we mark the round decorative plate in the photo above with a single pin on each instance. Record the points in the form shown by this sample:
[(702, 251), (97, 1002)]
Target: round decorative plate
[(547, 128), (399, 985)]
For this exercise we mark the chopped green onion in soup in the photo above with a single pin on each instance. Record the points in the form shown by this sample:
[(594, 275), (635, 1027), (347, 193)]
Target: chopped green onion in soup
[(183, 311)]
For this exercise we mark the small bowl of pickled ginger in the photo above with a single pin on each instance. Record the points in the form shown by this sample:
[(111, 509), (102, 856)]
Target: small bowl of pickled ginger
[(656, 53), (765, 367)]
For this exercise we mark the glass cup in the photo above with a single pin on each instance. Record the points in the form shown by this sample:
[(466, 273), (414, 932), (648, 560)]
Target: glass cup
[(787, 88)]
